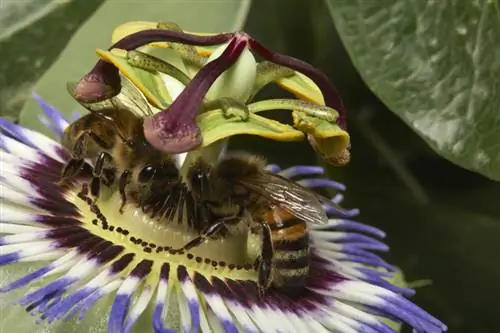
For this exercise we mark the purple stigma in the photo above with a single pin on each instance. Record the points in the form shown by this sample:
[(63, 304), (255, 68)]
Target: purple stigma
[(174, 130)]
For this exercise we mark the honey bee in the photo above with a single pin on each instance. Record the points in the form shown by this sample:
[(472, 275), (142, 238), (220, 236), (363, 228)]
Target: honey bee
[(111, 137), (238, 193)]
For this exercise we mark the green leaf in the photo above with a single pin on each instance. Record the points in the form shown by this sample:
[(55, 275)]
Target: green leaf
[(79, 56), (434, 64), (24, 58), (16, 15)]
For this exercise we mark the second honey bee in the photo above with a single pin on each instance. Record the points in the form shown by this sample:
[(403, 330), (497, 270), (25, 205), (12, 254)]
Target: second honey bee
[(241, 196)]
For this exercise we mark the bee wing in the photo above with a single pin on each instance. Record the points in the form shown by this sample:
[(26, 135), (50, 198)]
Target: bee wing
[(130, 98), (289, 196)]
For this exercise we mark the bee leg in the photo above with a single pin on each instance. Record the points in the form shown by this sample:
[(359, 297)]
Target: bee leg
[(265, 260), (122, 183), (71, 170), (230, 108), (95, 184), (108, 177), (205, 234)]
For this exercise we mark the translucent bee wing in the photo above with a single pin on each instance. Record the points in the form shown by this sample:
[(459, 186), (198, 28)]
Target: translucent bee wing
[(131, 98), (289, 196)]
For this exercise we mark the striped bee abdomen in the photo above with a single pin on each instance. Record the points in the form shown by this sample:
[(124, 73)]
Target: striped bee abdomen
[(291, 251)]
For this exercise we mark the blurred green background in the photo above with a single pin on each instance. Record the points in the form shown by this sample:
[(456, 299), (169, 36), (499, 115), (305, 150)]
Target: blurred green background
[(442, 221)]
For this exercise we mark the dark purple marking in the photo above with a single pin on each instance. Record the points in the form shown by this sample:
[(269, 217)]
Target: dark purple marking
[(202, 283), (322, 277), (64, 231), (109, 254), (142, 269), (77, 239), (222, 289), (44, 165), (57, 221), (246, 292), (165, 272), (57, 207), (182, 274), (122, 263), (89, 244)]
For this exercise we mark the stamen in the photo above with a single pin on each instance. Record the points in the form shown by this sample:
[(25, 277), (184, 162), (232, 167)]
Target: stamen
[(330, 93)]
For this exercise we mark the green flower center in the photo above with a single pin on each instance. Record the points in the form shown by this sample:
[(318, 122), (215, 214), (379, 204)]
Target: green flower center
[(232, 256)]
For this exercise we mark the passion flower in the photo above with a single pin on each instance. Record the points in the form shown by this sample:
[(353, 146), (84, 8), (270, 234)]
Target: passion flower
[(230, 72), (87, 259)]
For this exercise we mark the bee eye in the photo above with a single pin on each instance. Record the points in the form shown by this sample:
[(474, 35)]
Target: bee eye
[(146, 174)]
